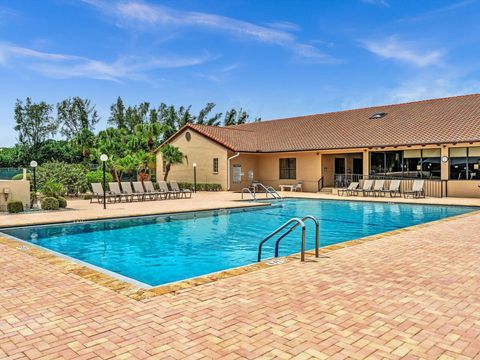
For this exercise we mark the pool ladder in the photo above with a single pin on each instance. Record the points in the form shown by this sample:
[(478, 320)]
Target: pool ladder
[(268, 190), (297, 222)]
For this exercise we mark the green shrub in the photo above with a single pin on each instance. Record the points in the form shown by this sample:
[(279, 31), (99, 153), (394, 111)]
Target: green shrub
[(87, 197), (52, 189), (62, 202), (71, 176), (97, 177), (14, 207), (33, 198), (50, 203), (20, 177)]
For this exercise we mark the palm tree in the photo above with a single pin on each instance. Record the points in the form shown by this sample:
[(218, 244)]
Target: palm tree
[(85, 140), (171, 155)]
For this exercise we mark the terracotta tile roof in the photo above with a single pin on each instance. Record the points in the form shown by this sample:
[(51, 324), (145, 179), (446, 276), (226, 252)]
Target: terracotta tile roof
[(446, 120)]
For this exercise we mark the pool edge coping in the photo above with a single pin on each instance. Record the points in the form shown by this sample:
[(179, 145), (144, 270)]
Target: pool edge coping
[(138, 293)]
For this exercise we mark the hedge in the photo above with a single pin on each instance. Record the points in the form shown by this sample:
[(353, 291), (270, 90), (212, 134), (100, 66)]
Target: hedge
[(14, 207), (20, 177), (200, 186), (62, 202), (50, 203)]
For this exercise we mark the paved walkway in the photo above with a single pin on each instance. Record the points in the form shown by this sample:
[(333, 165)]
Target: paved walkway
[(411, 295)]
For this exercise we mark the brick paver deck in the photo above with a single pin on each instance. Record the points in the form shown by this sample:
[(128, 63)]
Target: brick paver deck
[(411, 295)]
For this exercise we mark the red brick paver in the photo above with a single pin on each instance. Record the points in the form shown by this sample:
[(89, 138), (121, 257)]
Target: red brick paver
[(411, 295)]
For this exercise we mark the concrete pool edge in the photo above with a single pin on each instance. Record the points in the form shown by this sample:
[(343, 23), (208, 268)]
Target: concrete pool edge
[(139, 293)]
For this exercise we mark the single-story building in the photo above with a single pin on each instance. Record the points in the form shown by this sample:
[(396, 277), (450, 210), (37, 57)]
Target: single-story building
[(437, 140)]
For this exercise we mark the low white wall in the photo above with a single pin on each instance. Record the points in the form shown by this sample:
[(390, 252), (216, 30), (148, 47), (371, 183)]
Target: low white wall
[(14, 190)]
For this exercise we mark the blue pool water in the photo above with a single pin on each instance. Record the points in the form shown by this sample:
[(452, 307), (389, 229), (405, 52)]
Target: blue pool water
[(156, 250)]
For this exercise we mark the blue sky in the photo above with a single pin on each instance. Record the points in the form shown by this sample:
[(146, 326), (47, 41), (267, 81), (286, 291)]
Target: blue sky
[(274, 58)]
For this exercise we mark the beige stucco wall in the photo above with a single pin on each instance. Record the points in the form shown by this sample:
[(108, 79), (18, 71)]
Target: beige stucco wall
[(17, 190), (199, 150), (309, 165), (248, 162), (464, 188)]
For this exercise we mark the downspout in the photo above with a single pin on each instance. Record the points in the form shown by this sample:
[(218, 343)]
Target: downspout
[(228, 169)]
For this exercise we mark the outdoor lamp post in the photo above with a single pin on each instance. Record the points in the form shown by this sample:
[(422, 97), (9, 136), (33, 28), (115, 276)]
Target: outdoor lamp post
[(194, 177), (104, 159), (33, 165)]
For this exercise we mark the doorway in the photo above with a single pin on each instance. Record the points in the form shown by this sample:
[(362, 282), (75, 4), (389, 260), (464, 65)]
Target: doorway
[(358, 166), (340, 166)]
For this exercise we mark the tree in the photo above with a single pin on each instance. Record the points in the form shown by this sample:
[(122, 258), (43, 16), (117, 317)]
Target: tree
[(84, 140), (34, 125), (202, 118), (136, 115), (171, 155), (76, 115), (234, 117), (117, 115)]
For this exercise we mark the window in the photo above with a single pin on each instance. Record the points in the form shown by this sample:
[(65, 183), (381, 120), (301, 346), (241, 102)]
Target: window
[(465, 163), (378, 115), (164, 166), (387, 163), (424, 164), (215, 165), (431, 163), (288, 168), (412, 163)]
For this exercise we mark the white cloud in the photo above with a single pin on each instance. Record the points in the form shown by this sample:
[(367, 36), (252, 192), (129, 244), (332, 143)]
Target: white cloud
[(149, 17), (376, 2), (68, 66), (391, 48)]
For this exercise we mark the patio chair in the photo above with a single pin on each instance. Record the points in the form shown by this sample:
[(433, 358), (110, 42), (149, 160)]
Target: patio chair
[(138, 187), (367, 186), (150, 189), (393, 189), (377, 188), (116, 192), (353, 186), (174, 186), (98, 193), (128, 191), (417, 190), (165, 190)]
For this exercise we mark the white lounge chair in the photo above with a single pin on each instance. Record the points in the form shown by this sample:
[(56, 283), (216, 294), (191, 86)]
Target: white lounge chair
[(353, 186), (393, 189), (116, 191), (417, 190), (367, 186), (138, 187), (128, 191), (183, 192), (377, 188), (166, 191), (98, 193), (150, 189)]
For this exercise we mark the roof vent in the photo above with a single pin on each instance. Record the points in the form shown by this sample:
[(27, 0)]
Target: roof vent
[(378, 115)]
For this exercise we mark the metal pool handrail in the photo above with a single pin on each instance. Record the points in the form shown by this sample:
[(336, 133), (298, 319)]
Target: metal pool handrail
[(292, 220), (254, 195), (317, 237)]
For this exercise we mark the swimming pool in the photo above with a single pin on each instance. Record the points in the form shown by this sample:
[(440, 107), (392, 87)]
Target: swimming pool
[(155, 250)]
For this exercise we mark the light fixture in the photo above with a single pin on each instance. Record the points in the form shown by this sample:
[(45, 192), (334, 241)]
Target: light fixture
[(33, 164), (103, 157)]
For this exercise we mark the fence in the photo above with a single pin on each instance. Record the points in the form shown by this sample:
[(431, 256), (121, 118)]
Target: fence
[(433, 187), (8, 173)]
